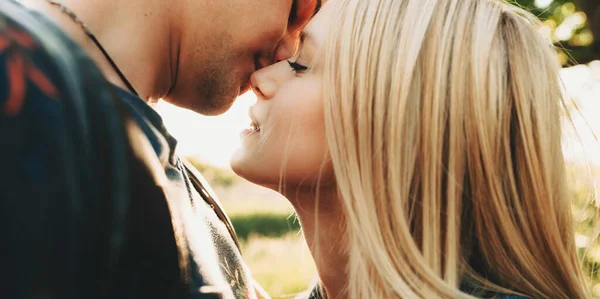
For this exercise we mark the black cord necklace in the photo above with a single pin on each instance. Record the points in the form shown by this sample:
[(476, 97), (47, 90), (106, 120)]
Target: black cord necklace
[(75, 19)]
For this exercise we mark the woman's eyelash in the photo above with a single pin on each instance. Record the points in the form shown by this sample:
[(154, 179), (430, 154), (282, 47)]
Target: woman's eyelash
[(297, 67)]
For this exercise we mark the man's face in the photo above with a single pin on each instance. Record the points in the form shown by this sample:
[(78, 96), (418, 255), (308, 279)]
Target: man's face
[(224, 41)]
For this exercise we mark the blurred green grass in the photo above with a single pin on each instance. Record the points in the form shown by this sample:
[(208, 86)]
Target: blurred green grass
[(271, 242), (282, 266), (270, 225)]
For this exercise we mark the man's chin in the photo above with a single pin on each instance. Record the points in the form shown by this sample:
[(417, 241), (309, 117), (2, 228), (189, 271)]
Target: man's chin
[(206, 102), (223, 105), (210, 107)]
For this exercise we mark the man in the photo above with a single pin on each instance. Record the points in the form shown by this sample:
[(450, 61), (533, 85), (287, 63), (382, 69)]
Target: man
[(93, 201)]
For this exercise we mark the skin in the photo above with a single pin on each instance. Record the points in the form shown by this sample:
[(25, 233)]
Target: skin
[(291, 143), (195, 54), (291, 140)]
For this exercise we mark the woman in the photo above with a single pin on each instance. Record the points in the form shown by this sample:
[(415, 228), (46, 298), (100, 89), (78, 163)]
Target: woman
[(419, 143)]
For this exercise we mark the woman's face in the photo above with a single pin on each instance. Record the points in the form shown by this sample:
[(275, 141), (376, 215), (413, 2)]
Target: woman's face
[(287, 138)]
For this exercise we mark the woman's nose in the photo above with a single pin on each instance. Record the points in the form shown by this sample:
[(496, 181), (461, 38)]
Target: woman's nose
[(265, 82)]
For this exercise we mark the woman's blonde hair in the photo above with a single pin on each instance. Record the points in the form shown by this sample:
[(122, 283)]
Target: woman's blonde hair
[(443, 123)]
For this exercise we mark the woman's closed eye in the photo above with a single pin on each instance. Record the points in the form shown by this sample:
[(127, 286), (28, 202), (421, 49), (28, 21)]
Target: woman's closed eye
[(297, 67)]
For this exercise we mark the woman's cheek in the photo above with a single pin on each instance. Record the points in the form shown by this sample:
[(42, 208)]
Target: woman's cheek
[(309, 151)]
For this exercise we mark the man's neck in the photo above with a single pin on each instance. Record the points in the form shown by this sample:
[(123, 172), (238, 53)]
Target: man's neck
[(322, 227), (137, 36)]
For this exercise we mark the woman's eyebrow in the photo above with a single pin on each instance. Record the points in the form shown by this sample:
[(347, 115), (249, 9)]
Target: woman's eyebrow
[(306, 43), (304, 37)]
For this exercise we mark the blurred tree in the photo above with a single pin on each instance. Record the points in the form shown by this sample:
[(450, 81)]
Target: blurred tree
[(571, 24), (592, 9)]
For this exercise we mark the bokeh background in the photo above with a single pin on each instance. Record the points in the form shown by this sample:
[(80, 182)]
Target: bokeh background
[(271, 242)]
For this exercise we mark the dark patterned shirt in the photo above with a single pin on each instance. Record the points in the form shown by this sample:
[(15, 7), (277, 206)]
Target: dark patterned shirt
[(47, 171)]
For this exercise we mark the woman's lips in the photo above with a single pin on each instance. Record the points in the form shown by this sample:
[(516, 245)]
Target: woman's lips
[(254, 126)]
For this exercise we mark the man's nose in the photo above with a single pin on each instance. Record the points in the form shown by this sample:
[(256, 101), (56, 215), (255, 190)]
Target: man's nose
[(263, 61), (287, 48), (284, 50)]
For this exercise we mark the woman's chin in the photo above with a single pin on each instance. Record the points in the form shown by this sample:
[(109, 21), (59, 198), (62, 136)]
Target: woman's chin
[(246, 165), (237, 162)]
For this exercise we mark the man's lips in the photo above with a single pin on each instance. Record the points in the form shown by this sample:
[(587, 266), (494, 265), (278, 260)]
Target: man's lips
[(245, 88), (247, 85), (259, 63)]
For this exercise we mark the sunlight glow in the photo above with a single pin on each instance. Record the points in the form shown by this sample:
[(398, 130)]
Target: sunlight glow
[(211, 139), (214, 139), (542, 3), (575, 21)]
